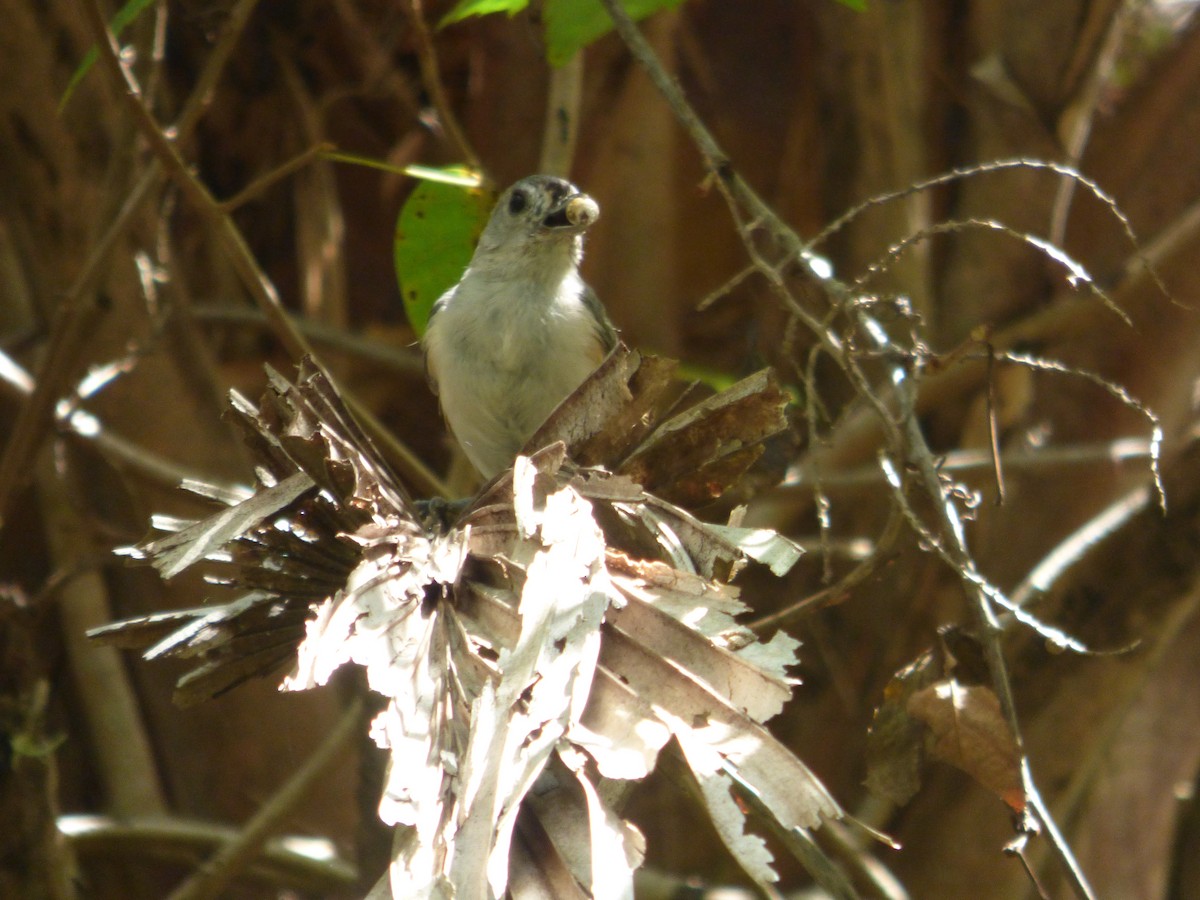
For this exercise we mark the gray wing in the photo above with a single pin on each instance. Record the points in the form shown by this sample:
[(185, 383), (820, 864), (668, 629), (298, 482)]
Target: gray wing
[(606, 332)]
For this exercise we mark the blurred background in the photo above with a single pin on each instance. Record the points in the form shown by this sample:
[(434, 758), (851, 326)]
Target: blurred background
[(124, 321)]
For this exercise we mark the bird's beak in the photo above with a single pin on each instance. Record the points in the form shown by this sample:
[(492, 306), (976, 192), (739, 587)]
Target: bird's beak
[(575, 214)]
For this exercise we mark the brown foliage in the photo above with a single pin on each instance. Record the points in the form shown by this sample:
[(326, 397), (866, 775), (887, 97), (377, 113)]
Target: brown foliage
[(111, 261)]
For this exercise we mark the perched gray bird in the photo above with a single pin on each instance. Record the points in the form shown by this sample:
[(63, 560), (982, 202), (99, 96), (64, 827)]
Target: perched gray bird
[(520, 331)]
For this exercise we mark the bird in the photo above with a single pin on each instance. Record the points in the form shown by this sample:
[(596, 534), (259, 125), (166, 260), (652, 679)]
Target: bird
[(521, 330)]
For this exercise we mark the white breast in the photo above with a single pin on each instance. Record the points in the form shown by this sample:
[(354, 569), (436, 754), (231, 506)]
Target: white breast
[(503, 361)]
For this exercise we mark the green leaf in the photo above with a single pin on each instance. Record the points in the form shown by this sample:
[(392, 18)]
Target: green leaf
[(573, 24), (856, 5), (124, 17), (464, 9), (435, 237)]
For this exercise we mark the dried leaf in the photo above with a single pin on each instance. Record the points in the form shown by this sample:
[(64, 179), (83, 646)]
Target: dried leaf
[(895, 744), (694, 457), (600, 849), (774, 657), (716, 787), (690, 459), (174, 553), (586, 412), (824, 871), (545, 677), (705, 605), (142, 631), (489, 639), (970, 732), (754, 691), (763, 545), (616, 847), (252, 636), (654, 392), (755, 758), (537, 871), (619, 730), (693, 545)]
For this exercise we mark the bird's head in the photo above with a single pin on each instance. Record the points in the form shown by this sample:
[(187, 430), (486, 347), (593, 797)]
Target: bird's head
[(539, 216)]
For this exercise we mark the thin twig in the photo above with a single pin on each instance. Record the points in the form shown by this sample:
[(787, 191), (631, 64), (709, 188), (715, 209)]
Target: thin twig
[(905, 435), (1117, 392), (870, 870), (1076, 274), (1075, 875), (77, 318), (1076, 124), (1120, 450), (404, 361), (1177, 235), (214, 66), (994, 425), (211, 879), (839, 590), (1003, 165), (320, 223), (309, 868), (719, 292), (263, 182), (252, 276), (432, 78), (85, 426), (738, 195), (814, 412), (968, 573), (64, 356), (177, 169), (1018, 847), (373, 49), (120, 746)]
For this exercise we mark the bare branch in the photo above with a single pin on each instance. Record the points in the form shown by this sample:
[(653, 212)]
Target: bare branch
[(1075, 124), (77, 316), (561, 128), (255, 281), (432, 78), (904, 435), (211, 879), (285, 862), (124, 753), (252, 276), (269, 179)]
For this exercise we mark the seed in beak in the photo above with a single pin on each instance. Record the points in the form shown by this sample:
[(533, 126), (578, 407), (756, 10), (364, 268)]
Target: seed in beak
[(582, 210)]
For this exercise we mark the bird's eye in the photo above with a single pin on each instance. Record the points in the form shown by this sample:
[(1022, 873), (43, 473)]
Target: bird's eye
[(517, 202)]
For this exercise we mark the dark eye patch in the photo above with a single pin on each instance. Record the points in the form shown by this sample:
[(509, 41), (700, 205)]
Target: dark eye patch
[(517, 202)]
